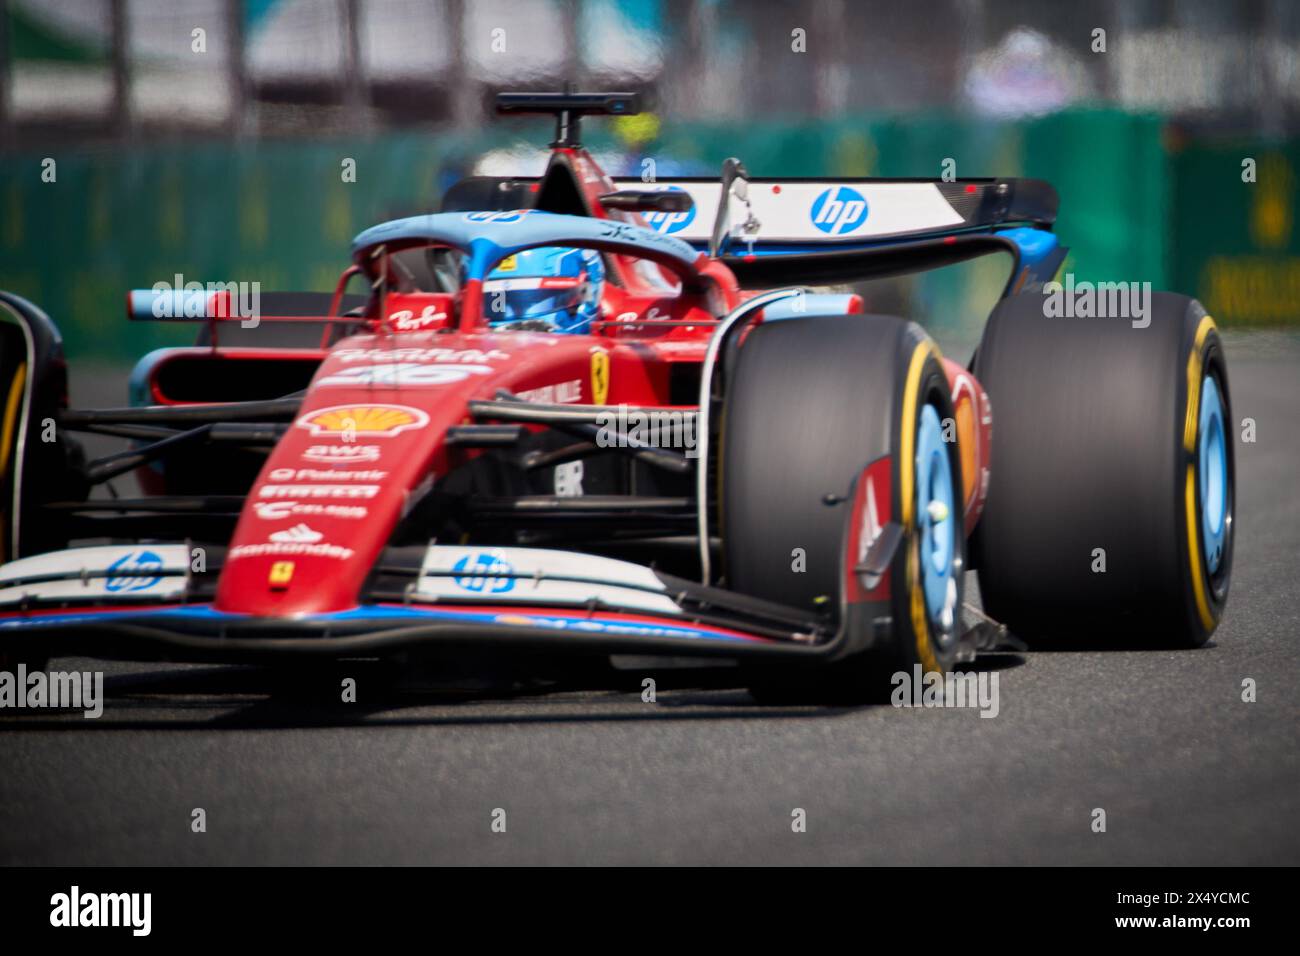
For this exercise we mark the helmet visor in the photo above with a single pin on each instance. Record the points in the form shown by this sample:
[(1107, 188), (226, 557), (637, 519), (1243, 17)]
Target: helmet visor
[(509, 300)]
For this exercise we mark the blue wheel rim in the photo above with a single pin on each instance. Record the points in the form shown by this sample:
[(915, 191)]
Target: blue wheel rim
[(1212, 473), (936, 516)]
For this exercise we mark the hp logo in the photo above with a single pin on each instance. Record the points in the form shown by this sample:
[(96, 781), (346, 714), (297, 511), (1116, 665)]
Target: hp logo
[(482, 576), (839, 210), (134, 571), (513, 215), (670, 222)]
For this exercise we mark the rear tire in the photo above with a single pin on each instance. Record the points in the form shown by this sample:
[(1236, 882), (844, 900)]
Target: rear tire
[(1110, 506), (811, 404)]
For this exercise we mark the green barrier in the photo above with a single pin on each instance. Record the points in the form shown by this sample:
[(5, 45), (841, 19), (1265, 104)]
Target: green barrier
[(281, 214)]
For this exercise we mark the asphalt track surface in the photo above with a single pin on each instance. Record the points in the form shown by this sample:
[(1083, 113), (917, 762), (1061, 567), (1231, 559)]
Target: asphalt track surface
[(1186, 772)]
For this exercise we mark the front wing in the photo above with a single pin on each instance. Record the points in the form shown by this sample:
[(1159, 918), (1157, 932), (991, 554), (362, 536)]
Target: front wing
[(433, 601)]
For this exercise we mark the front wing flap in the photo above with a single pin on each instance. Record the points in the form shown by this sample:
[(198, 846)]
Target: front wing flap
[(441, 598)]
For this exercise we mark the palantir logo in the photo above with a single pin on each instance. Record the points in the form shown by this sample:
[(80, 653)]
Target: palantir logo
[(670, 222), (839, 210), (132, 572), (483, 576)]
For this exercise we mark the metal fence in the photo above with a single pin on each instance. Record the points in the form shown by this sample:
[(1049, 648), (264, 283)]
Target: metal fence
[(205, 136), (115, 68)]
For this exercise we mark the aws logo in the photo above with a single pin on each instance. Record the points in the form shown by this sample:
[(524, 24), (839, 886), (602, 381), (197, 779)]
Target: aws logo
[(839, 210)]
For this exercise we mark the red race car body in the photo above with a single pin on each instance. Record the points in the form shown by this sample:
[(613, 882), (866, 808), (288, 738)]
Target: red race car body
[(397, 471)]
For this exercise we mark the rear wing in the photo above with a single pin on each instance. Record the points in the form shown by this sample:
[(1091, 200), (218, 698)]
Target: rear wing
[(822, 212), (784, 231), (791, 231)]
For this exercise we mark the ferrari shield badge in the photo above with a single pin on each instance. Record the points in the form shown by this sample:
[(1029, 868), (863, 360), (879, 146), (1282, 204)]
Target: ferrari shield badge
[(599, 376)]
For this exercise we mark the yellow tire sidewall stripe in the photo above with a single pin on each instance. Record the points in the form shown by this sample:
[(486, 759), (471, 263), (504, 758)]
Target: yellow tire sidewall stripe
[(11, 408), (1191, 423), (907, 492), (10, 417)]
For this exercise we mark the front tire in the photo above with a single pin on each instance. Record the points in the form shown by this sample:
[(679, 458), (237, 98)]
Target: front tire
[(817, 408), (33, 469)]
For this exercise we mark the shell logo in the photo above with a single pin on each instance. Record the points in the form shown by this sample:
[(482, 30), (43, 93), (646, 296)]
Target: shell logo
[(375, 421)]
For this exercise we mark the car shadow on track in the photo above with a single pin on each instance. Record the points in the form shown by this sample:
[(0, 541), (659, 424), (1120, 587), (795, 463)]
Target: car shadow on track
[(168, 697), (1110, 644)]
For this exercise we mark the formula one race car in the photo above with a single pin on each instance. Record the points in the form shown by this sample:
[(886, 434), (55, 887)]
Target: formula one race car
[(560, 420)]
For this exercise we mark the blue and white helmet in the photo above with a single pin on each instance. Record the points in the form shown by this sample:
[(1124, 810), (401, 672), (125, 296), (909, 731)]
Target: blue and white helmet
[(556, 287)]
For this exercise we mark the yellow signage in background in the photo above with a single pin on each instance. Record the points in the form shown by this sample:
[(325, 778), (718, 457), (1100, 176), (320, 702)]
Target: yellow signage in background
[(1272, 212), (1234, 241), (1252, 290)]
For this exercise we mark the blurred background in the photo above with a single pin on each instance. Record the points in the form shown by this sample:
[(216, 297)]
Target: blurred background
[(144, 138)]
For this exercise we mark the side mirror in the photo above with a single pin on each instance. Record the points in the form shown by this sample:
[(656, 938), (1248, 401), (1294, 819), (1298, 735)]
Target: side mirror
[(646, 200)]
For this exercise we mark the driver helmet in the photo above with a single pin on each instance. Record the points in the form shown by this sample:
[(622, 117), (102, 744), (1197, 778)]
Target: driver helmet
[(553, 288)]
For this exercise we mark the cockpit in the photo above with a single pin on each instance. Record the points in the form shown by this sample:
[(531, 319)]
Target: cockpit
[(532, 271)]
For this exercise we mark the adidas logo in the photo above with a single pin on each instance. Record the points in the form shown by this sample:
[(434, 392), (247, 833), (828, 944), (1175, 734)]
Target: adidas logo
[(298, 534)]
